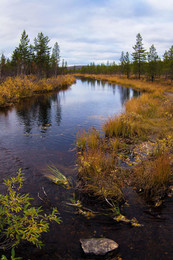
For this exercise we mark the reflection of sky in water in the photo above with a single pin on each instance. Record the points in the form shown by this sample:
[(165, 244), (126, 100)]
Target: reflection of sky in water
[(43, 126)]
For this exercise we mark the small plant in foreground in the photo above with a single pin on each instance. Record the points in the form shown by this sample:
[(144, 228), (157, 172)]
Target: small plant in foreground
[(18, 220), (56, 176)]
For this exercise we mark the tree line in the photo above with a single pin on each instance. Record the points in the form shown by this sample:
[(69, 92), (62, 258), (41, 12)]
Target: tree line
[(37, 58), (141, 62)]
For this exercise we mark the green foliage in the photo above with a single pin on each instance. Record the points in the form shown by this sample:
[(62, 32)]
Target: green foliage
[(13, 257), (42, 53), (55, 58), (18, 220), (139, 55), (21, 54), (152, 62)]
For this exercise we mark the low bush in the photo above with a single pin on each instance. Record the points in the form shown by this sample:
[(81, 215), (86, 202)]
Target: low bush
[(18, 220)]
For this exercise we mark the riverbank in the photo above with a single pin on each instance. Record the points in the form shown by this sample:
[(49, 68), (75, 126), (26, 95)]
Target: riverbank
[(133, 149), (13, 89), (143, 85)]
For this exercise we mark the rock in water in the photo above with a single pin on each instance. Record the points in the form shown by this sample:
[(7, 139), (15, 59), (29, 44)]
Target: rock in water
[(98, 246)]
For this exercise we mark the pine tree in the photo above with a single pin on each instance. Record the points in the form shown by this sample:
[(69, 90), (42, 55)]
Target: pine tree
[(2, 65), (170, 60), (127, 64), (122, 62), (139, 55), (152, 62), (42, 54), (20, 57), (55, 58)]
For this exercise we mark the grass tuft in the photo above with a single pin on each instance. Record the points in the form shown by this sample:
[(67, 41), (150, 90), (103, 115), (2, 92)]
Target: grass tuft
[(153, 176)]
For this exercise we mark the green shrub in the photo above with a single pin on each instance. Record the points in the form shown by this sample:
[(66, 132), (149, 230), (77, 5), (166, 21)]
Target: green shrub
[(18, 220)]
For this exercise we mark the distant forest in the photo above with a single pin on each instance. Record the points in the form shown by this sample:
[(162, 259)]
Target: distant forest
[(142, 63), (40, 59)]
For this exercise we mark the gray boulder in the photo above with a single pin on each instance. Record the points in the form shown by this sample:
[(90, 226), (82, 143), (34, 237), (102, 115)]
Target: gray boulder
[(98, 246)]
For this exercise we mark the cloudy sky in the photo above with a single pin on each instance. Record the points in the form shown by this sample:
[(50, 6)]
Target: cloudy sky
[(88, 30)]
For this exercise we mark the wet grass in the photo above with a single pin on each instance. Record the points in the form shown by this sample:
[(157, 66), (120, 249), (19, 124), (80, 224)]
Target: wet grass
[(15, 88)]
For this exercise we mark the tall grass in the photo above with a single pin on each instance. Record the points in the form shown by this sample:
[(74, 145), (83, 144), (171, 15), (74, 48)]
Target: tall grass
[(123, 126), (99, 175), (152, 177), (86, 140), (145, 105)]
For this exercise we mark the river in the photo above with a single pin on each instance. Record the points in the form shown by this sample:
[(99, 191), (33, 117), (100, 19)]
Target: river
[(42, 130)]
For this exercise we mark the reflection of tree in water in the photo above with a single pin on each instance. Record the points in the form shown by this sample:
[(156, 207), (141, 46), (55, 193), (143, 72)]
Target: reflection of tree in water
[(113, 87), (37, 110), (44, 114), (127, 93), (136, 93), (58, 112), (34, 110), (27, 114), (124, 94)]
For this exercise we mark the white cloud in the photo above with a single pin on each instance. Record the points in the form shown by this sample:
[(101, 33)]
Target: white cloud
[(88, 30)]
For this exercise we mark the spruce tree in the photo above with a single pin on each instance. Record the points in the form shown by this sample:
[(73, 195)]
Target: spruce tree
[(139, 55), (20, 56), (55, 58), (152, 62), (127, 64), (42, 54)]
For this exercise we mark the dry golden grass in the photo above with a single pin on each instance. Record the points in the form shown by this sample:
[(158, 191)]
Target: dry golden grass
[(99, 175), (152, 177), (15, 88), (123, 126)]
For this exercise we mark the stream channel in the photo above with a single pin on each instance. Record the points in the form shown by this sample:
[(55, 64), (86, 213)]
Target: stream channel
[(40, 131)]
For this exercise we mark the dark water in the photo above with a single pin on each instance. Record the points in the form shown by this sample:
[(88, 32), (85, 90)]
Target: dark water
[(42, 130)]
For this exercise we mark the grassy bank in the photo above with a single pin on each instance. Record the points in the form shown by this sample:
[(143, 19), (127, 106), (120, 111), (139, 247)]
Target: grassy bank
[(158, 86), (15, 88), (134, 148)]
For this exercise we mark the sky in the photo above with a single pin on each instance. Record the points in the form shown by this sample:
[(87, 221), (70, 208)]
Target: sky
[(88, 30)]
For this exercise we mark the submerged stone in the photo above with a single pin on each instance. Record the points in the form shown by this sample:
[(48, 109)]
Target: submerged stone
[(98, 246)]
